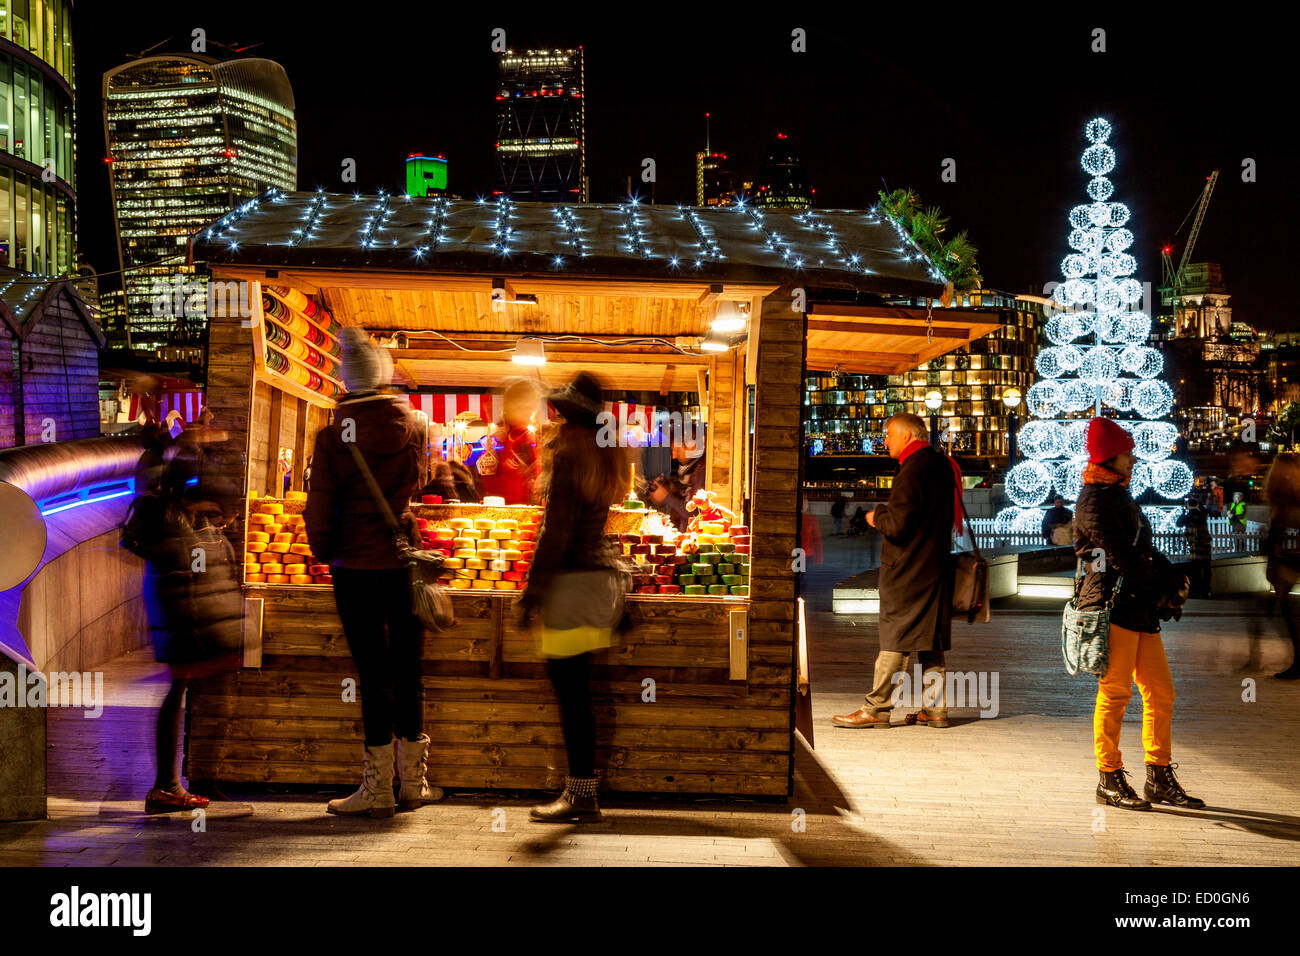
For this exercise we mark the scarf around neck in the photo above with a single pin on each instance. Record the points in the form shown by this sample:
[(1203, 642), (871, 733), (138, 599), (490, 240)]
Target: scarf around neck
[(1096, 474)]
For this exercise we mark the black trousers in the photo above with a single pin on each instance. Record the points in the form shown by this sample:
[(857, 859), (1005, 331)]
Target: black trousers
[(571, 677), (384, 637)]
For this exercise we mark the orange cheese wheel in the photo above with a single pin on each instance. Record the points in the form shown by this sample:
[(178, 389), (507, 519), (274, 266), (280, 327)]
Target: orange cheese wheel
[(460, 584), (256, 547), (260, 519), (295, 569), (270, 557), (250, 559), (252, 578), (279, 547), (507, 524), (508, 555), (505, 585), (300, 578), (259, 536), (528, 535), (481, 585), (271, 508), (300, 537), (272, 530), (271, 568), (523, 566), (285, 538), (277, 579), (490, 575), (467, 573), (300, 549)]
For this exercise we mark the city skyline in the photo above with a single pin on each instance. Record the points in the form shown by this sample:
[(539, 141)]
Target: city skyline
[(863, 121)]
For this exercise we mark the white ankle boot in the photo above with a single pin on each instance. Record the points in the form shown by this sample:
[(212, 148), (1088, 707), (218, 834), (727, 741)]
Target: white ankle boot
[(376, 793), (412, 763)]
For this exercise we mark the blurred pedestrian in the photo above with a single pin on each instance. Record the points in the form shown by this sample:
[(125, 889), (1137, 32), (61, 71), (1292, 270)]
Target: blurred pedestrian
[(1195, 524), (1282, 548), (1214, 503), (149, 466), (837, 514), (1126, 573), (810, 536), (509, 465), (372, 591), (576, 581), (1056, 523), (1237, 514), (194, 605), (916, 577)]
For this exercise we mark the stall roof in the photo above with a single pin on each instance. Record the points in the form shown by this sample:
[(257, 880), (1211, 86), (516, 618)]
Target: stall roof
[(889, 340), (25, 298), (862, 250)]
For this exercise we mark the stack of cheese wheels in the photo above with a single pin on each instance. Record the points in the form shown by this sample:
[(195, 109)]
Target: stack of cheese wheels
[(276, 549), (483, 554), (715, 560)]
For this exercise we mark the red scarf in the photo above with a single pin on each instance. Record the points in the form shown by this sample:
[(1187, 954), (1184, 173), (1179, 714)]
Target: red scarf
[(1096, 474), (957, 507)]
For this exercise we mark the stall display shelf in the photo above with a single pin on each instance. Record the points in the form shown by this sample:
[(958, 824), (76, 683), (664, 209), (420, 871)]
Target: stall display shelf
[(276, 551), (295, 350)]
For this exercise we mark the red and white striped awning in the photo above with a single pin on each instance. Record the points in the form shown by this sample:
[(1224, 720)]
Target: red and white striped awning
[(445, 408), (188, 403)]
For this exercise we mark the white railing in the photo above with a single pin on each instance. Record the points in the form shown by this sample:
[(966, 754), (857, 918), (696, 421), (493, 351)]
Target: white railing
[(1223, 539)]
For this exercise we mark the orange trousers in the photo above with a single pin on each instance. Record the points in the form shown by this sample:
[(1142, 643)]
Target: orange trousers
[(1140, 657)]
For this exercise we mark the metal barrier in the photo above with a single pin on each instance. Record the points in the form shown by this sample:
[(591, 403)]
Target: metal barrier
[(1223, 539)]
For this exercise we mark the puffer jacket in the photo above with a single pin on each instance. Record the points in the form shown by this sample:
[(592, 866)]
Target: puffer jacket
[(1107, 518), (345, 525)]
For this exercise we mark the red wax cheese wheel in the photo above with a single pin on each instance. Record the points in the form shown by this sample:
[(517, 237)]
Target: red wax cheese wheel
[(652, 539), (663, 579), (421, 523), (677, 559), (640, 549), (648, 589), (513, 576), (665, 549), (670, 589), (742, 549), (528, 535), (642, 580), (324, 578), (319, 569), (630, 538), (523, 566), (739, 529), (431, 499), (740, 539)]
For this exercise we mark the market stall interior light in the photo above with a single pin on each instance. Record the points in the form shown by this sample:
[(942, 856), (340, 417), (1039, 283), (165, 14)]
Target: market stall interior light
[(729, 318), (714, 344), (529, 352)]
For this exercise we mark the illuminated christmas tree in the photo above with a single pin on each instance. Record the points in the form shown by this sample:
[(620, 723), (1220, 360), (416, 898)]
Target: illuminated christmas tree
[(1098, 363)]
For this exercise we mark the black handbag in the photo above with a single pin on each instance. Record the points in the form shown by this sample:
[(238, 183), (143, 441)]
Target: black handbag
[(970, 579), (429, 599)]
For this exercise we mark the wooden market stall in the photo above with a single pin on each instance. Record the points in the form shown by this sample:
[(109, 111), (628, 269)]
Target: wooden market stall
[(699, 696)]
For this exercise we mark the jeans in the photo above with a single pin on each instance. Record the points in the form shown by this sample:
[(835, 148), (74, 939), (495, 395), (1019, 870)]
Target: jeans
[(571, 677), (384, 637), (1140, 657)]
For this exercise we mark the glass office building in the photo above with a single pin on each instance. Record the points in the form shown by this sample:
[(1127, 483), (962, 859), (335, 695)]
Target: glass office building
[(189, 138), (37, 188), (541, 142)]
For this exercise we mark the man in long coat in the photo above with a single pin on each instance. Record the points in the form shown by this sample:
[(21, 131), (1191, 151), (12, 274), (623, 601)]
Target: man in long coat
[(916, 575)]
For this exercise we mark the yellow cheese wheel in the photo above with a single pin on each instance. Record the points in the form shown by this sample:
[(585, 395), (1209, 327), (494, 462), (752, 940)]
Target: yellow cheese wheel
[(460, 523), (297, 496), (284, 538), (487, 544), (279, 547), (295, 569), (500, 534), (464, 553), (507, 524), (300, 579), (270, 557), (257, 547), (259, 536), (260, 519), (467, 573), (444, 534), (506, 585), (300, 549), (484, 524), (490, 575), (704, 538), (478, 564), (472, 533), (452, 564), (250, 559), (712, 527), (511, 545), (462, 543), (460, 584), (510, 554), (254, 578), (272, 568), (498, 565), (272, 529), (271, 508), (277, 579), (478, 585)]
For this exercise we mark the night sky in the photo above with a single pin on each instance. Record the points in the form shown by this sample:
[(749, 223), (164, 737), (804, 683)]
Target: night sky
[(876, 99)]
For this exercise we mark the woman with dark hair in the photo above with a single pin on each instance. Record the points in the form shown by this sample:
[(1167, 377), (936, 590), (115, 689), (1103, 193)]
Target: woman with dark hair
[(1125, 572), (577, 581)]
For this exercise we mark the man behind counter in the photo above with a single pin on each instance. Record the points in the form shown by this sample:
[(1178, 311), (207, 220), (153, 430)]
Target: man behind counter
[(670, 492)]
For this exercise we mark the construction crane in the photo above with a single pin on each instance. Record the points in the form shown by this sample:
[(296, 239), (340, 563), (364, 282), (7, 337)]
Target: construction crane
[(1172, 286)]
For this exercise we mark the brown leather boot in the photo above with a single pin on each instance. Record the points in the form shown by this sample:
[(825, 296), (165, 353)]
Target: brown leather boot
[(577, 804), (860, 718)]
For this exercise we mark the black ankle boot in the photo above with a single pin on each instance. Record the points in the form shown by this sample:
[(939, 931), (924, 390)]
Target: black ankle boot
[(1114, 790), (577, 804), (1163, 787)]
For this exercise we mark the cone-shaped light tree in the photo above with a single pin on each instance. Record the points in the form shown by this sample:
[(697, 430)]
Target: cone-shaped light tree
[(1098, 363)]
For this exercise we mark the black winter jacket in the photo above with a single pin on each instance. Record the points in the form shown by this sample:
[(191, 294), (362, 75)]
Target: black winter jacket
[(1108, 521)]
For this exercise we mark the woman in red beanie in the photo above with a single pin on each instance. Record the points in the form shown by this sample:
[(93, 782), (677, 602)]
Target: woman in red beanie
[(1113, 539)]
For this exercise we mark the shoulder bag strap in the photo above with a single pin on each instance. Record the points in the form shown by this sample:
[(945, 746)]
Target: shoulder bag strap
[(374, 488), (975, 547)]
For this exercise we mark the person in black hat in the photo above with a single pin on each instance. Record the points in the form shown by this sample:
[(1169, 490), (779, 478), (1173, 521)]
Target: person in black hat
[(576, 580)]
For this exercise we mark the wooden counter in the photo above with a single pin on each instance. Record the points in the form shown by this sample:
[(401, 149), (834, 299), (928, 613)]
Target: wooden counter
[(489, 708)]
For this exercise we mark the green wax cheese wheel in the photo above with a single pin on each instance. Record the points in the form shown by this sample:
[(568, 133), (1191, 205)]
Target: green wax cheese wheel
[(740, 589), (712, 557), (706, 579), (694, 589), (717, 589), (633, 504), (701, 569), (733, 579), (686, 580), (725, 569), (740, 559), (707, 547), (726, 547)]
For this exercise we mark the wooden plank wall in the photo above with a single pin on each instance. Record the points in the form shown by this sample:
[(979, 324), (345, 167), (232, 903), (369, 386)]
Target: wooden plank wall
[(8, 356), (230, 396), (60, 378)]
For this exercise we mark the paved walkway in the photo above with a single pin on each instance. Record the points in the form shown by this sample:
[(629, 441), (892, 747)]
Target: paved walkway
[(1013, 789)]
